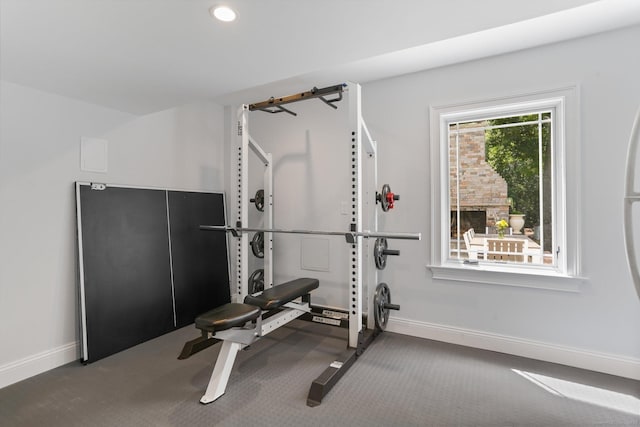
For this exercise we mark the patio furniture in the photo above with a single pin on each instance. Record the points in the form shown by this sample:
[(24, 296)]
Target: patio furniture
[(506, 250)]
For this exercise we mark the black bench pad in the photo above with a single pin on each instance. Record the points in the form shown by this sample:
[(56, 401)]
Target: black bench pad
[(277, 296), (227, 316)]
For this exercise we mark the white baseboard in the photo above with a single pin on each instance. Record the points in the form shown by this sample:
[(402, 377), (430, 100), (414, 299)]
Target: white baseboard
[(600, 362), (19, 370), (13, 372)]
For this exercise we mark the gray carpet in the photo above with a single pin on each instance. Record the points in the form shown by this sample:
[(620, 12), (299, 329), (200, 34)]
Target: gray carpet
[(398, 381)]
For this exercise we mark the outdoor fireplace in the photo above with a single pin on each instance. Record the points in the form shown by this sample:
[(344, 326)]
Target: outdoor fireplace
[(468, 219)]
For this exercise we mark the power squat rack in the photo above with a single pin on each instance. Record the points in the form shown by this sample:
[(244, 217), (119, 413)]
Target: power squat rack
[(282, 296)]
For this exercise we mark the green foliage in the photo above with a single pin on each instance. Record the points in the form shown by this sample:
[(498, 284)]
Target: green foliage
[(513, 153)]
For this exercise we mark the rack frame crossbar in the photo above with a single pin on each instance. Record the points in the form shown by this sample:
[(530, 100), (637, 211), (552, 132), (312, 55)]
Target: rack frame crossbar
[(275, 105)]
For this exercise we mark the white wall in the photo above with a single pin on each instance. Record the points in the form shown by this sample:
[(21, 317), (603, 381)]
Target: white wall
[(604, 317), (39, 162), (311, 172), (598, 327)]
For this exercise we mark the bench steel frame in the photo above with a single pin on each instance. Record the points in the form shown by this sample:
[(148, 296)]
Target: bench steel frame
[(236, 339)]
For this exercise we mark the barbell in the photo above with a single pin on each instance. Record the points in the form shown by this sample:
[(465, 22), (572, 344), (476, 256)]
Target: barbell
[(350, 236)]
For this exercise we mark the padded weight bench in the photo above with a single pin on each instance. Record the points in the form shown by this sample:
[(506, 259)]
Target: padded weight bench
[(240, 324)]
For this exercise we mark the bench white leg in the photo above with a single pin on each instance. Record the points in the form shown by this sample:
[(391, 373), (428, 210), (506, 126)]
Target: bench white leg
[(221, 371)]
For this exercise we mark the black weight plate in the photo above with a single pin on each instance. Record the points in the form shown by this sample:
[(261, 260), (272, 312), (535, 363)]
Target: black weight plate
[(256, 281), (257, 244), (379, 256), (380, 312), (384, 202), (258, 200)]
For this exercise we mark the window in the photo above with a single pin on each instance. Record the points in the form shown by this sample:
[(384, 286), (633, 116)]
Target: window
[(500, 182), (501, 174)]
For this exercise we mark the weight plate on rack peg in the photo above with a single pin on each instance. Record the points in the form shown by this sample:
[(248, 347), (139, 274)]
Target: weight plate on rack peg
[(386, 198), (382, 305), (257, 244), (256, 281), (258, 200), (378, 253), (381, 251)]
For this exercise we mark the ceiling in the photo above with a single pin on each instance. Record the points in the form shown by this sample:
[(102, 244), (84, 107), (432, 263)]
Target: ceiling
[(141, 56)]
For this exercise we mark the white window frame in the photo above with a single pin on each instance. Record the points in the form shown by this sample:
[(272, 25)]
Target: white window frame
[(565, 275)]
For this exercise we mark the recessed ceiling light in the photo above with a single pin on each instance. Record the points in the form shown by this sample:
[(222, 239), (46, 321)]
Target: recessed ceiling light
[(223, 13)]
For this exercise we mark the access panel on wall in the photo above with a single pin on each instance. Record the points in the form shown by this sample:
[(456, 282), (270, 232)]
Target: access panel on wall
[(145, 267)]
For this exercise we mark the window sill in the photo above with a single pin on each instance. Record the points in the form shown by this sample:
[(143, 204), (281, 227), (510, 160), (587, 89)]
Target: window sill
[(507, 276)]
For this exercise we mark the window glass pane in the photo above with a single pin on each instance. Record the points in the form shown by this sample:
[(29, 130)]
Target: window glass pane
[(547, 207), (500, 175)]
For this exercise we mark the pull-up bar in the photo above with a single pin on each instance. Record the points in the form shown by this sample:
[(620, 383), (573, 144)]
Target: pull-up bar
[(275, 105)]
